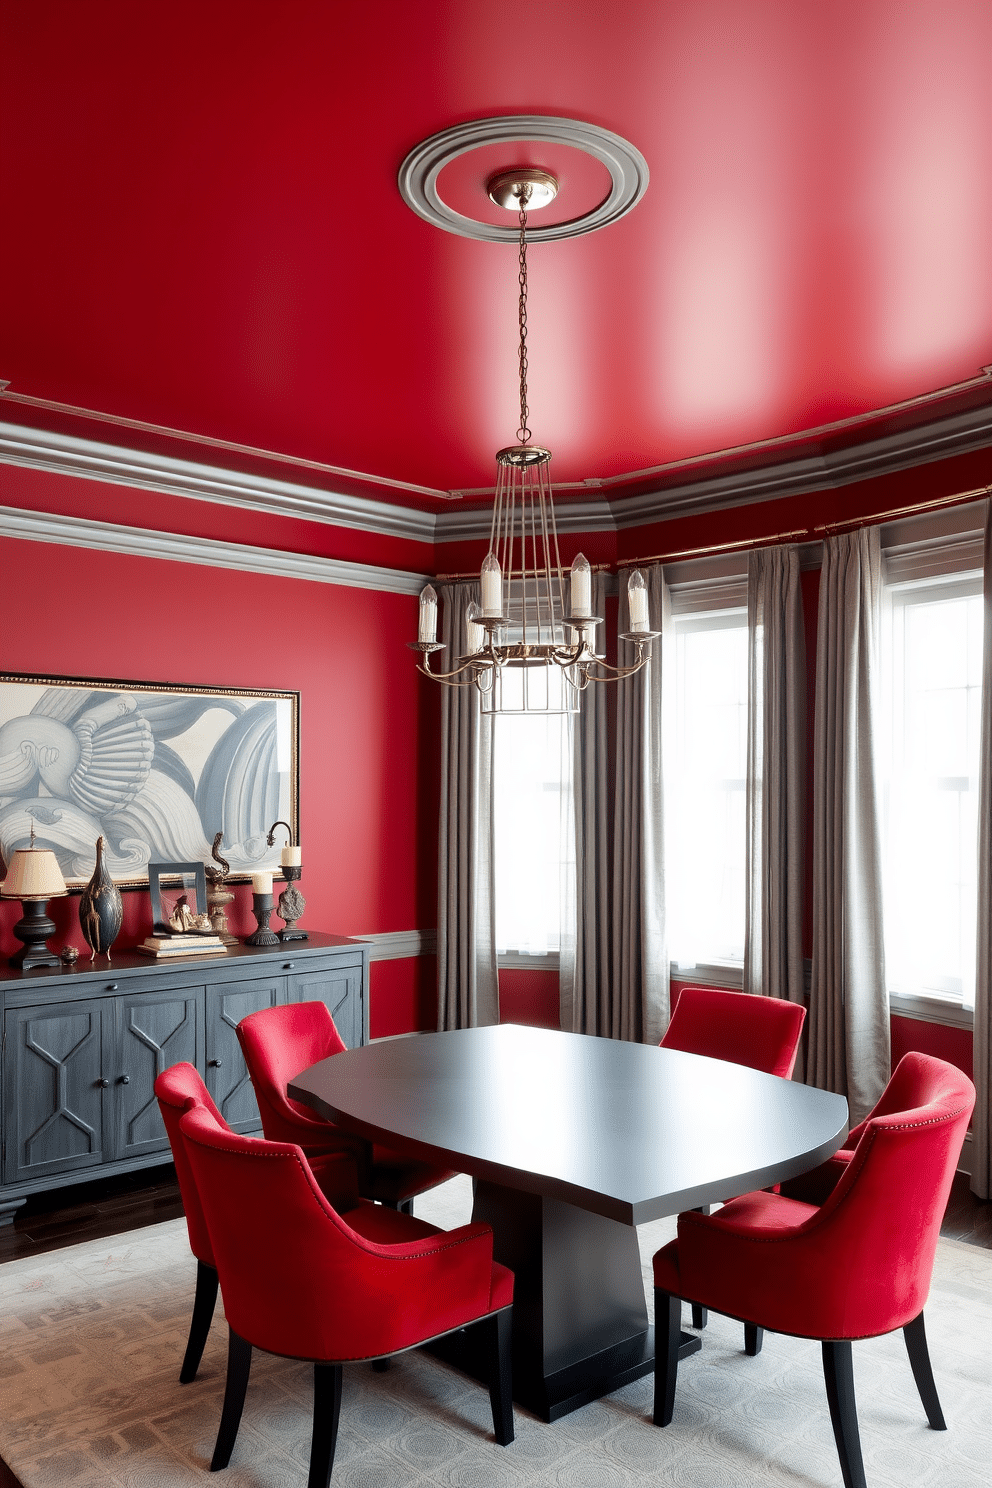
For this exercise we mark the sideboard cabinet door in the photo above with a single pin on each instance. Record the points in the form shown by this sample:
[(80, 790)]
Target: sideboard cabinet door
[(54, 1066), (227, 1075), (152, 1033), (340, 987)]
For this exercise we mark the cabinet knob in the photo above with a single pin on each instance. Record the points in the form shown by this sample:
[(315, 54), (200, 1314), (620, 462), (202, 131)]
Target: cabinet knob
[(215, 1063), (125, 1079), (103, 1084), (111, 986), (289, 966)]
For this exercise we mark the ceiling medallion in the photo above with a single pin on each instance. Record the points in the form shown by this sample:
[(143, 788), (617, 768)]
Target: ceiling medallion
[(420, 170)]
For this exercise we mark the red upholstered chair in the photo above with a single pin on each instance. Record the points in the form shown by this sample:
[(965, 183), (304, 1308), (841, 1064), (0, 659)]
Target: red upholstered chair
[(761, 1032), (179, 1089), (300, 1280), (855, 1266), (280, 1042)]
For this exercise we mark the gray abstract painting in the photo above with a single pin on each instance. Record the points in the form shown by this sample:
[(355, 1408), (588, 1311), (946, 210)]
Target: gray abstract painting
[(157, 771)]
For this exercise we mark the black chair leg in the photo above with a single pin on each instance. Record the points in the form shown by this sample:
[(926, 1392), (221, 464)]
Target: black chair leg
[(203, 1311), (838, 1373), (497, 1336), (238, 1369), (754, 1337), (919, 1357), (326, 1412), (667, 1336), (700, 1316)]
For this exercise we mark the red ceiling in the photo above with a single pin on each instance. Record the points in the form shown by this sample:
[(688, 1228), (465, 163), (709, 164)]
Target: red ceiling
[(203, 228)]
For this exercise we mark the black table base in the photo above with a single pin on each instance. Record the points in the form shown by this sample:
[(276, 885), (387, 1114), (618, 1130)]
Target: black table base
[(580, 1325)]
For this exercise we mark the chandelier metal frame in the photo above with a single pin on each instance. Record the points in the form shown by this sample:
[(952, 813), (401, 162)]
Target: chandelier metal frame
[(523, 524)]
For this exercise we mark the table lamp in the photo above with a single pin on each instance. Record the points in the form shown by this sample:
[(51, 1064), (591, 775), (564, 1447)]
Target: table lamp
[(34, 877)]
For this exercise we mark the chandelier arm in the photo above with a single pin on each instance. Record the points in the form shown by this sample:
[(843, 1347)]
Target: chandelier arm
[(613, 673), (472, 665)]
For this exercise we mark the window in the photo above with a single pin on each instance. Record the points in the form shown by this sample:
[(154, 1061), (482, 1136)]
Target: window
[(705, 770), (932, 676), (531, 776)]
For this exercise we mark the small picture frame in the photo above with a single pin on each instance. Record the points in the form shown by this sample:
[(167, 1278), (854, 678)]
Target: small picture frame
[(173, 884)]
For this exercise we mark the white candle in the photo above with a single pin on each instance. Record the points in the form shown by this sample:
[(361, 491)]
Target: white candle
[(492, 586), (473, 630), (427, 627), (637, 601), (261, 883), (581, 587), (290, 857)]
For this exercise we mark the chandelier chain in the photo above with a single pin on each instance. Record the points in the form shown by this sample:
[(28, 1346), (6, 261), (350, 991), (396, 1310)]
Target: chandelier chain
[(523, 433)]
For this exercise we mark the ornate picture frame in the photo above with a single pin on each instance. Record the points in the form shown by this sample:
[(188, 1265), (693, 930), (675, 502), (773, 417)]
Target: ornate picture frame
[(157, 769)]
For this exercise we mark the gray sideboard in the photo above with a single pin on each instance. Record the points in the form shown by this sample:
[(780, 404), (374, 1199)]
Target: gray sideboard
[(82, 1046)]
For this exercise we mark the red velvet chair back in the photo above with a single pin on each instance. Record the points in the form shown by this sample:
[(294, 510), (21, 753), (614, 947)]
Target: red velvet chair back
[(177, 1089), (278, 1043), (761, 1032), (298, 1281), (860, 1264)]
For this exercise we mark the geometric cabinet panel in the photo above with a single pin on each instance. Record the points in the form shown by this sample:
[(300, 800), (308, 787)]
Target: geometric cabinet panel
[(52, 1068), (151, 1036)]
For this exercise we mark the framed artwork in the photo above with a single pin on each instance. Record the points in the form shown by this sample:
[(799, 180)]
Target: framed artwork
[(157, 770), (173, 887)]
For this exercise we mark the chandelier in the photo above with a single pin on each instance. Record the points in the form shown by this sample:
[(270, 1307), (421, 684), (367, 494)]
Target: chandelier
[(524, 650)]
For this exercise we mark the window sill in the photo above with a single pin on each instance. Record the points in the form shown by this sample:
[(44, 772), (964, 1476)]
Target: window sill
[(931, 1009), (709, 974), (525, 961)]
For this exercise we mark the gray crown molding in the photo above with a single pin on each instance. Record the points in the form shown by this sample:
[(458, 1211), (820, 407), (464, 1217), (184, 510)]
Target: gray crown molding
[(959, 434), (139, 542), (463, 524), (90, 460), (400, 945)]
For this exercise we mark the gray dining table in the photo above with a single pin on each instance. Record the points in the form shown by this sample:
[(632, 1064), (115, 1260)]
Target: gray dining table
[(572, 1142)]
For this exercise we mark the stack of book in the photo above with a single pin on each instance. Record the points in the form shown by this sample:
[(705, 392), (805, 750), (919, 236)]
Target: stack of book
[(183, 945)]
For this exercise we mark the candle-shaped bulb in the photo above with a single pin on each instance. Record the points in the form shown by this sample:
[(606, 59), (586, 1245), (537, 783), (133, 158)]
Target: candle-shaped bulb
[(427, 628), (637, 601), (581, 592), (492, 586), (474, 631)]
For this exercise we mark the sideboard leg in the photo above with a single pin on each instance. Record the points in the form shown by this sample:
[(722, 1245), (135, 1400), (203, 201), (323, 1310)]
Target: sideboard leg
[(8, 1208)]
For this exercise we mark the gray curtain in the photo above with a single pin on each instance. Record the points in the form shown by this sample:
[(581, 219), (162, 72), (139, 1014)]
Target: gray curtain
[(776, 764), (849, 1013), (468, 985), (584, 977), (981, 1152), (640, 1005)]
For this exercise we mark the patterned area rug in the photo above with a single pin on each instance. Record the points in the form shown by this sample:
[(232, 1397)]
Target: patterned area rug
[(91, 1340)]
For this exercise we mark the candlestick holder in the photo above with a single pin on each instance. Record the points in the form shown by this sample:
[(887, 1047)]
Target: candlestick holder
[(291, 904), (261, 905)]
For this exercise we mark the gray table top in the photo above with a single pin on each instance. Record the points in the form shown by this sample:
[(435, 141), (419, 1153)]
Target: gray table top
[(626, 1130)]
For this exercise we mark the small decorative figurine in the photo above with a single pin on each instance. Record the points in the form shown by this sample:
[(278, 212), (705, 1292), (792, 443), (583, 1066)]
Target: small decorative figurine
[(68, 955), (101, 909), (219, 896)]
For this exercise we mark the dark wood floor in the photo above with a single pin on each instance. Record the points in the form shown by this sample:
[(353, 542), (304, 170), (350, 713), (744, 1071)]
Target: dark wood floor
[(93, 1211)]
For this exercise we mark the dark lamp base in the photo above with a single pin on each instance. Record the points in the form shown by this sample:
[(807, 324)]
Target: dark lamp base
[(34, 930)]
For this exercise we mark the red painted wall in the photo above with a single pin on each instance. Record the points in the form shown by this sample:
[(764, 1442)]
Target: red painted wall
[(369, 723)]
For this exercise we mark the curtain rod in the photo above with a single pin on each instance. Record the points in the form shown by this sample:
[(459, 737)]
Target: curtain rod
[(821, 529), (809, 534)]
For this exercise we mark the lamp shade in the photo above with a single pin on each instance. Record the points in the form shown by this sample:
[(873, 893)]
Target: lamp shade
[(34, 873)]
